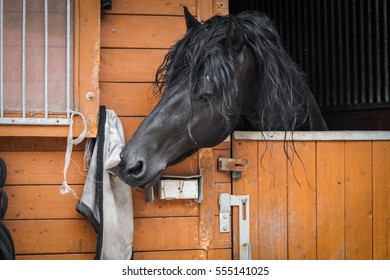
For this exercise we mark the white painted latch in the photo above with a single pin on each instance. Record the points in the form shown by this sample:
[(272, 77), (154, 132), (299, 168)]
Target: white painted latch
[(226, 201), (178, 187), (181, 187)]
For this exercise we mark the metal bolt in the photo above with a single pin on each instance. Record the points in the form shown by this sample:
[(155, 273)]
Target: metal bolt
[(225, 228), (244, 200), (113, 30), (90, 95), (224, 216)]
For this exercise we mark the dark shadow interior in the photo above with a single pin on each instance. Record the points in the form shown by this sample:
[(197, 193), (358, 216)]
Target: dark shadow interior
[(343, 48)]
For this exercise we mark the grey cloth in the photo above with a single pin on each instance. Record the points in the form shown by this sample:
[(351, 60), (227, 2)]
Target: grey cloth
[(118, 224)]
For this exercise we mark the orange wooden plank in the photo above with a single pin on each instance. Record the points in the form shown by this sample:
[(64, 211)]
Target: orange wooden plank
[(220, 7), (88, 58), (151, 7), (41, 168), (330, 200), (207, 221), (302, 222), (130, 65), (171, 255), (52, 236), (89, 256), (9, 144), (36, 202), (358, 200), (149, 32), (128, 99), (272, 197), (381, 200), (130, 125), (219, 254), (205, 9), (247, 185), (158, 234), (35, 130)]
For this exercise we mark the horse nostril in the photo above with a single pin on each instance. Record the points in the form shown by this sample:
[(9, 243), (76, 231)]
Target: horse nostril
[(138, 169)]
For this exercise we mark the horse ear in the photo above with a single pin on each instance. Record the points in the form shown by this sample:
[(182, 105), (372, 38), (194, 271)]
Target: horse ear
[(191, 21), (234, 35)]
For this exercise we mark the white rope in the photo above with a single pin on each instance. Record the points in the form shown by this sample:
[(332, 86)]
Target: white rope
[(65, 188)]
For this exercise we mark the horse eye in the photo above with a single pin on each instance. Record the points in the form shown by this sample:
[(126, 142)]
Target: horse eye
[(206, 96)]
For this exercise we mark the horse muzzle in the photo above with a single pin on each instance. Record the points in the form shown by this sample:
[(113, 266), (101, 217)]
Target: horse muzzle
[(136, 174)]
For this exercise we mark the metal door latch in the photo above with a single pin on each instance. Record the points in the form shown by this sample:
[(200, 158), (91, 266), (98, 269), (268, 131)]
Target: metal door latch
[(226, 201), (236, 166)]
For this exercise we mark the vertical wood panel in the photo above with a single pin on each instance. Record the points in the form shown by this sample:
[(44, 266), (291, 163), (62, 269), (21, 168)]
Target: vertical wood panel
[(272, 200), (89, 62), (358, 199), (330, 200), (206, 215), (248, 184), (302, 230), (381, 199)]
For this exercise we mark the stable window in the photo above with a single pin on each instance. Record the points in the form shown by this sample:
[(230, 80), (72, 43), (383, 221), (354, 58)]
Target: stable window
[(49, 56)]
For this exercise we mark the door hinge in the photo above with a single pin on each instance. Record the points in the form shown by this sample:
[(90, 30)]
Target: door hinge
[(226, 201)]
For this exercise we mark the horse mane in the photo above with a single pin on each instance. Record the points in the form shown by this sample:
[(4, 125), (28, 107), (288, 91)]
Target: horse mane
[(202, 53)]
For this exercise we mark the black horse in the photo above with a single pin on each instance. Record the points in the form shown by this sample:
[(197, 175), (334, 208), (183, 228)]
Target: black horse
[(228, 73)]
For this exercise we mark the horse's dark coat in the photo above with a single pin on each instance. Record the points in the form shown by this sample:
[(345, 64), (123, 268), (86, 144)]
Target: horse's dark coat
[(231, 72)]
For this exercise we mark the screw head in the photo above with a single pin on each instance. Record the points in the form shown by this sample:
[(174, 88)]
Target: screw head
[(90, 95)]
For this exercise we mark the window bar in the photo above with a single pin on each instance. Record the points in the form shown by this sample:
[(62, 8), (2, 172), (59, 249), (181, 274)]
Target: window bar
[(67, 58), (1, 60), (24, 61), (46, 58)]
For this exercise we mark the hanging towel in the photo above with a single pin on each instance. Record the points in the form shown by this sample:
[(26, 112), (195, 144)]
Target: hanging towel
[(106, 200)]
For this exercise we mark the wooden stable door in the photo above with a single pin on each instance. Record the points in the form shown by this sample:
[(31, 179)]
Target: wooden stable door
[(328, 200)]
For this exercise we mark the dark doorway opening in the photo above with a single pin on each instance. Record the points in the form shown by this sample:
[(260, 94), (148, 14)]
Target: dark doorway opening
[(343, 48)]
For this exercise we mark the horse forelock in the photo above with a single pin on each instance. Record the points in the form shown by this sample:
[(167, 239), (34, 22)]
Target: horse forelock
[(202, 53), (198, 59)]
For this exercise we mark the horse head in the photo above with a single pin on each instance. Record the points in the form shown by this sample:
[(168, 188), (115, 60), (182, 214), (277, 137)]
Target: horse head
[(209, 84)]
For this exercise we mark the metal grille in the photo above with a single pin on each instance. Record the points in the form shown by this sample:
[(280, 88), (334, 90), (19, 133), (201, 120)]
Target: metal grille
[(44, 114), (342, 45)]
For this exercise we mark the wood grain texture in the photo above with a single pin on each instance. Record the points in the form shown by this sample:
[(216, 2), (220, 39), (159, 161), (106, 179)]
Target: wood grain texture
[(248, 184), (36, 202), (330, 200), (358, 200), (381, 200), (302, 220), (272, 205), (151, 32), (43, 168), (52, 236), (172, 255), (130, 65), (128, 99), (151, 7)]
